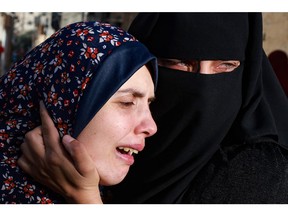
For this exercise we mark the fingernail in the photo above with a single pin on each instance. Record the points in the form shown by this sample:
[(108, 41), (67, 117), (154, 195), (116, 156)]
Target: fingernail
[(67, 139)]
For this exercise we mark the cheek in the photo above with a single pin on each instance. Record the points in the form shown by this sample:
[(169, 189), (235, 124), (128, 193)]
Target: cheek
[(104, 133), (117, 128), (94, 137), (93, 142), (117, 124)]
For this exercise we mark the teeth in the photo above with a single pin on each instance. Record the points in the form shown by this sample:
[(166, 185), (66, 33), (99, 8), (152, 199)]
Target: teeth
[(130, 151)]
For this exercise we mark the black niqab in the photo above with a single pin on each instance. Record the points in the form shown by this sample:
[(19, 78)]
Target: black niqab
[(197, 113)]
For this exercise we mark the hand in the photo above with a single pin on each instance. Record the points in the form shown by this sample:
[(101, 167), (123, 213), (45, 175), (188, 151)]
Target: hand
[(67, 170)]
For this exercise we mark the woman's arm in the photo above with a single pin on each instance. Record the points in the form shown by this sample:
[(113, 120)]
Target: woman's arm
[(65, 167)]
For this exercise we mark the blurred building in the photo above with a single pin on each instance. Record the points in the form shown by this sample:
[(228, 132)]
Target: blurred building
[(20, 31), (275, 32), (6, 35)]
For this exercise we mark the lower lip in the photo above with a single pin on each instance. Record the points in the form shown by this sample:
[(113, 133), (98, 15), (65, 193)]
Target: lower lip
[(129, 159)]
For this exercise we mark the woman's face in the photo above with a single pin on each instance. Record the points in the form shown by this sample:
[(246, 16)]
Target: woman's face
[(119, 129)]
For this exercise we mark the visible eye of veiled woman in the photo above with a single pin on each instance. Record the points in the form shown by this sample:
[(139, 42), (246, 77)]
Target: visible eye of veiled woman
[(226, 66)]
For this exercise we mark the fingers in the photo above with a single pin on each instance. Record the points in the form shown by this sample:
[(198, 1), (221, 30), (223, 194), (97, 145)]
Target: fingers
[(49, 131), (24, 164), (33, 150), (79, 154), (33, 144), (38, 174), (46, 160)]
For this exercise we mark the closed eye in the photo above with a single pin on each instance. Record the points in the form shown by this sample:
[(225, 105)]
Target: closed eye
[(127, 104)]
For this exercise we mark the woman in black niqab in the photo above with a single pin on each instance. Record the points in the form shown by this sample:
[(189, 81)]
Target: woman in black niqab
[(222, 138)]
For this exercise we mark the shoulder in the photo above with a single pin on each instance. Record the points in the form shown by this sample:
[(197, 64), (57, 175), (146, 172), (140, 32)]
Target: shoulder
[(254, 173), (264, 156)]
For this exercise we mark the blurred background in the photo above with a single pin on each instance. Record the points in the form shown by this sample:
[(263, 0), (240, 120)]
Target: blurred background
[(21, 31)]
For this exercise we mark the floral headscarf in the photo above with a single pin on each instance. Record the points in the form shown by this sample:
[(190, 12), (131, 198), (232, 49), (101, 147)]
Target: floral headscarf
[(74, 72)]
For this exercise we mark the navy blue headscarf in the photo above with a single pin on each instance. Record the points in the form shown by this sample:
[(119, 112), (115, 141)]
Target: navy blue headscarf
[(74, 72)]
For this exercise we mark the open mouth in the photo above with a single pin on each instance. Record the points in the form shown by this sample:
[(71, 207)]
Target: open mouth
[(127, 150)]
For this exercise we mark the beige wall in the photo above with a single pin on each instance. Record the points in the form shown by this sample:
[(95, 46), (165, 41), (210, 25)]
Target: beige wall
[(275, 28)]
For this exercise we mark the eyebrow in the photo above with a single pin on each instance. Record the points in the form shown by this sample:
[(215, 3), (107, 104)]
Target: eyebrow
[(135, 93)]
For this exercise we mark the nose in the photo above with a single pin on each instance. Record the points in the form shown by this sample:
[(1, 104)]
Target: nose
[(147, 125), (205, 67)]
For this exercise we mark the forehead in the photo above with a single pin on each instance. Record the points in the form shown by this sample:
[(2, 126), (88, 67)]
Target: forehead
[(141, 81)]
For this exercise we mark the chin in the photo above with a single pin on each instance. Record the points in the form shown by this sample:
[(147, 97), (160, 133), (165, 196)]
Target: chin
[(112, 179)]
